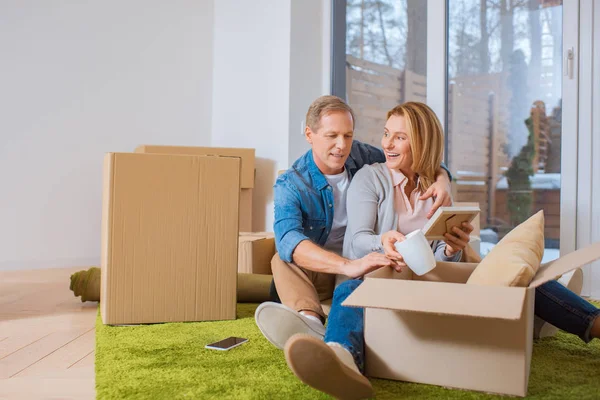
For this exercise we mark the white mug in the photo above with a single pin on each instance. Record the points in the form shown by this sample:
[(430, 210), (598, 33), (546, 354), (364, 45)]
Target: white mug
[(417, 253)]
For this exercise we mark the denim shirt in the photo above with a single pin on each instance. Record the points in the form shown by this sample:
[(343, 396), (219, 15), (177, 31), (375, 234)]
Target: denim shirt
[(303, 199)]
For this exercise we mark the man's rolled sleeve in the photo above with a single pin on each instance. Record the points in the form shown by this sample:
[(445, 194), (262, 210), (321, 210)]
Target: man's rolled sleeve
[(288, 243), (287, 225)]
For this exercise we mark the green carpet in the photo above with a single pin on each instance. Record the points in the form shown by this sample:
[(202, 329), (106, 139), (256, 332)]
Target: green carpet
[(168, 361)]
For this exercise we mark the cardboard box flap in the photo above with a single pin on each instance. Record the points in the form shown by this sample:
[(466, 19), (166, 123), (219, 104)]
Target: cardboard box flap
[(439, 298), (566, 263), (247, 155)]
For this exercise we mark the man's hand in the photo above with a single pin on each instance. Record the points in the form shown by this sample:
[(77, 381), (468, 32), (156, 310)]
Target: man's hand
[(441, 191), (368, 263), (388, 240), (458, 240)]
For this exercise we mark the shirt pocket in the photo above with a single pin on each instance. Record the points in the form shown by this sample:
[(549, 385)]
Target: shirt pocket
[(315, 229)]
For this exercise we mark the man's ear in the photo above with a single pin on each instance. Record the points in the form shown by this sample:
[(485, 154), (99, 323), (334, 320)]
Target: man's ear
[(308, 134)]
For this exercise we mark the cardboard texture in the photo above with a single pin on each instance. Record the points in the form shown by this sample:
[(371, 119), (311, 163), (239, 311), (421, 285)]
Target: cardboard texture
[(246, 210), (438, 330), (169, 238), (256, 249), (247, 155), (445, 218)]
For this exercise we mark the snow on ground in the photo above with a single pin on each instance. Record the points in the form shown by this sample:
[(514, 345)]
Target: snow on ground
[(549, 254)]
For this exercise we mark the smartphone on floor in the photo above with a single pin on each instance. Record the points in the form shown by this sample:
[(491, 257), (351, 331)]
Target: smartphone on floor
[(226, 344)]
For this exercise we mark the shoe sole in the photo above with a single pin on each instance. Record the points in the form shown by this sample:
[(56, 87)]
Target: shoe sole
[(278, 323), (316, 364)]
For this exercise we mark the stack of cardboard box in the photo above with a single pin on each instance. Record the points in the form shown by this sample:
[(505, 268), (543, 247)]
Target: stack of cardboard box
[(170, 225)]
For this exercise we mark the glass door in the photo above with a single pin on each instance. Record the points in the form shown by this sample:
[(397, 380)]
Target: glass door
[(505, 113), (503, 77)]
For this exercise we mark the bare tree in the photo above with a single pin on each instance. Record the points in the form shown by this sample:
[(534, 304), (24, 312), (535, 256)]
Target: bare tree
[(379, 6), (416, 46), (362, 29), (535, 40), (507, 32), (374, 31), (484, 52)]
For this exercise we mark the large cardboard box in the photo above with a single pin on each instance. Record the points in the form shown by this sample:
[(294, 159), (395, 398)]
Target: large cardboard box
[(435, 329), (169, 238), (256, 249), (246, 154)]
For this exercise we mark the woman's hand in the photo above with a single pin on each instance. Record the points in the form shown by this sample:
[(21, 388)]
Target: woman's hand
[(388, 240), (441, 190), (458, 240)]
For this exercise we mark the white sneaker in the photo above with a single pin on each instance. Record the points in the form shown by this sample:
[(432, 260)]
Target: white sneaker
[(574, 282), (278, 323)]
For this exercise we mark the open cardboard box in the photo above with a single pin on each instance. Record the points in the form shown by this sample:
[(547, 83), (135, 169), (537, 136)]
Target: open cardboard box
[(435, 329)]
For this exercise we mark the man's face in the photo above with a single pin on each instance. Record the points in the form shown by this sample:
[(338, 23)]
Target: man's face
[(332, 141)]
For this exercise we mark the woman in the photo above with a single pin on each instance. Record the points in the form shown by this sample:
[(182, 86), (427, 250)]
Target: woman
[(383, 205)]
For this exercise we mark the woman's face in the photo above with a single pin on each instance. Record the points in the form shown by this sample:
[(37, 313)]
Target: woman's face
[(396, 145)]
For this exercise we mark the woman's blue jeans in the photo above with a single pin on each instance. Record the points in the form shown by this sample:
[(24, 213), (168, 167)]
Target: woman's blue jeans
[(554, 303)]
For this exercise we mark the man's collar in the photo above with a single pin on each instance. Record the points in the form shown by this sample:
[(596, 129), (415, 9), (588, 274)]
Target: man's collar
[(316, 174)]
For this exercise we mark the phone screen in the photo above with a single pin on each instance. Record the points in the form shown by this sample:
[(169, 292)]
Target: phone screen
[(227, 343)]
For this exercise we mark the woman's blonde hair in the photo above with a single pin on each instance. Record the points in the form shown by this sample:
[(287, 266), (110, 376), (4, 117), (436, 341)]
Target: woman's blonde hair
[(426, 139)]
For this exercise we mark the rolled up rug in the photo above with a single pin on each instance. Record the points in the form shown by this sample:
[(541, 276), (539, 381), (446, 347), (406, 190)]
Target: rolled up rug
[(251, 288), (86, 284)]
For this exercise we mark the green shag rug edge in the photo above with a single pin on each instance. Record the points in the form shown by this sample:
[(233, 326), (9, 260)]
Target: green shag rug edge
[(169, 361)]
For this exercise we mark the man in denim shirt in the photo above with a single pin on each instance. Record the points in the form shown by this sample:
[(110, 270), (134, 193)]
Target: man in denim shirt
[(310, 222)]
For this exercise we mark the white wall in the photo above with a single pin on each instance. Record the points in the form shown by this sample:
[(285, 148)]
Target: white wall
[(78, 79), (306, 67), (268, 68)]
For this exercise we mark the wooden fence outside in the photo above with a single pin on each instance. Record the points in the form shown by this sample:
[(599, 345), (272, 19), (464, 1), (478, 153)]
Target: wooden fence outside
[(478, 124)]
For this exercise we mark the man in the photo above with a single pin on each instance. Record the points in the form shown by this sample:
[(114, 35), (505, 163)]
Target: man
[(310, 222)]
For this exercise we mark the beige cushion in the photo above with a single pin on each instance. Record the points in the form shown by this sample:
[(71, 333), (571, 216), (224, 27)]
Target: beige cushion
[(515, 260)]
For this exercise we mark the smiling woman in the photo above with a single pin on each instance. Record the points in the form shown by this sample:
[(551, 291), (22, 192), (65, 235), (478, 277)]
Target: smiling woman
[(409, 153)]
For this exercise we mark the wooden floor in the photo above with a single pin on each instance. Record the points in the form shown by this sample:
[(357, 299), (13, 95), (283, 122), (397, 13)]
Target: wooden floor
[(47, 337)]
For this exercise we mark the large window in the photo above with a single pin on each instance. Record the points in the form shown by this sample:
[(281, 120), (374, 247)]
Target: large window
[(504, 111), (385, 59)]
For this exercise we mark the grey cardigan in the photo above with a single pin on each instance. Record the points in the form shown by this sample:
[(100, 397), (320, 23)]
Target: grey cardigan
[(371, 213)]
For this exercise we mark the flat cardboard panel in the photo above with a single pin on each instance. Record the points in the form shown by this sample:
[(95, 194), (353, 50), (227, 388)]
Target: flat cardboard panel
[(390, 273), (255, 252), (504, 303), (106, 227), (171, 238), (246, 210), (447, 217), (487, 355), (247, 156), (566, 263)]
